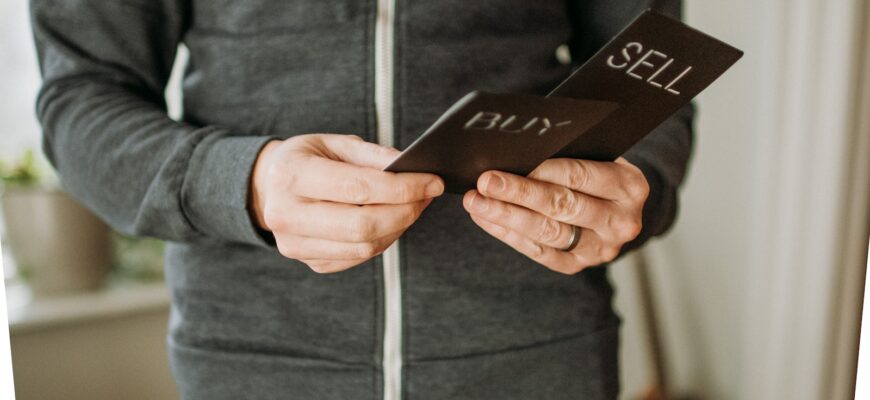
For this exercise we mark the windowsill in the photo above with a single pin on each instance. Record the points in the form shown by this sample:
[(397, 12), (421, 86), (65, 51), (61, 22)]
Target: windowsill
[(28, 313)]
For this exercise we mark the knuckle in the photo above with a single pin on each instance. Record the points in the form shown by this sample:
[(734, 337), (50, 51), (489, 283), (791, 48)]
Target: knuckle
[(367, 250), (578, 177), (404, 192), (286, 249), (637, 188), (536, 250), (550, 230), (564, 205), (548, 164), (629, 229), (357, 190), (361, 228), (633, 229), (522, 190), (597, 254), (410, 215), (623, 228), (501, 212), (271, 170), (284, 252), (609, 253), (316, 267), (555, 168), (274, 218), (320, 268), (290, 180), (610, 221), (385, 152), (640, 190), (551, 163)]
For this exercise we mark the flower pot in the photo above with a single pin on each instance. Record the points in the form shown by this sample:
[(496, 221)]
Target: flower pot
[(58, 245)]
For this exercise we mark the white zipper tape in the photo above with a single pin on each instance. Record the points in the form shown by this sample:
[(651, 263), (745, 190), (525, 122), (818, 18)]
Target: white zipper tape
[(392, 358)]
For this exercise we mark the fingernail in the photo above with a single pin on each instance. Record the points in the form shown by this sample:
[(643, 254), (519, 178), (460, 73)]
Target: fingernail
[(495, 184), (477, 203), (434, 188)]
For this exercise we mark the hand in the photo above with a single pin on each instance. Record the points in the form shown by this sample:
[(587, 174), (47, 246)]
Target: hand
[(534, 214), (328, 201)]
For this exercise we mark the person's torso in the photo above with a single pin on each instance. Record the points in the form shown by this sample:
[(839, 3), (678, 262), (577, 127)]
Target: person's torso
[(294, 67)]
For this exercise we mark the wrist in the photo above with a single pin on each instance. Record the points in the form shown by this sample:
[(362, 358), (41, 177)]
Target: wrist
[(259, 185)]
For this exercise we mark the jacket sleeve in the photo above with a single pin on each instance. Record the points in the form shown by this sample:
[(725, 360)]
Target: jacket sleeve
[(663, 155), (105, 65)]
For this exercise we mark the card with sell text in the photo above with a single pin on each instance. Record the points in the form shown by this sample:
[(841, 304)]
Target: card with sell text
[(636, 81)]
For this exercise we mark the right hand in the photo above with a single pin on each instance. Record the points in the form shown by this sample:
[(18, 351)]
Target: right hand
[(328, 201)]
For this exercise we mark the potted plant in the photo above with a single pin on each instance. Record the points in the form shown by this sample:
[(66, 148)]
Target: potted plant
[(58, 245)]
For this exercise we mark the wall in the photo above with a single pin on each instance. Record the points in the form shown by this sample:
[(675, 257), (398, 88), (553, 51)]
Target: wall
[(747, 281), (704, 266), (122, 357), (19, 80), (700, 269)]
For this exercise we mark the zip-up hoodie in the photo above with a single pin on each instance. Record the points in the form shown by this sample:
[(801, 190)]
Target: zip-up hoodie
[(450, 312)]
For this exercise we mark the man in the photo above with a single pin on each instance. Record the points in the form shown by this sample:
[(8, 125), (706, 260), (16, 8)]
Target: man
[(300, 269)]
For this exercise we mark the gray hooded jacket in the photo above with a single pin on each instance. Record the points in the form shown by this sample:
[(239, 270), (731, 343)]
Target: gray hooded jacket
[(456, 314)]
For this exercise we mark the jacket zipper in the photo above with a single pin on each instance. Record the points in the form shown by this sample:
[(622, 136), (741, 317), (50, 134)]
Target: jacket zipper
[(392, 345)]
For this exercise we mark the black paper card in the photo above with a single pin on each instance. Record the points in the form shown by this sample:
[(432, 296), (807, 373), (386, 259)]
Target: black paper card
[(484, 131), (652, 68), (640, 78)]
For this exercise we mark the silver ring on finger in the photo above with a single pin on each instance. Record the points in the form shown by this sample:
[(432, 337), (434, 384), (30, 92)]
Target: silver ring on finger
[(573, 240)]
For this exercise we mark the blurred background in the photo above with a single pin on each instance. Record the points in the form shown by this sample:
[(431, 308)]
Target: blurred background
[(88, 309), (754, 294)]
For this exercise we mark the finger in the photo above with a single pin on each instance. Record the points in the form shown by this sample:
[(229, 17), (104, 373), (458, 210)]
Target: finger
[(346, 222), (556, 260), (337, 181), (593, 249), (590, 251), (608, 180), (331, 266), (554, 201), (528, 223), (303, 248), (353, 149)]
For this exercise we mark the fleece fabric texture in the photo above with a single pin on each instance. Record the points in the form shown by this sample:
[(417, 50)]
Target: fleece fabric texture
[(480, 320)]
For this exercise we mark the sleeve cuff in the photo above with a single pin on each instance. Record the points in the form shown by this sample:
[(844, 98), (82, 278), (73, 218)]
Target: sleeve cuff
[(216, 189)]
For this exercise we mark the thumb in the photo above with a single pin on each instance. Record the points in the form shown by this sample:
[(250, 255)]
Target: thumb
[(354, 150)]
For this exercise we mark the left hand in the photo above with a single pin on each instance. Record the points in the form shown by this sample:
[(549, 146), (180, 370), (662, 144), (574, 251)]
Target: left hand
[(534, 214)]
